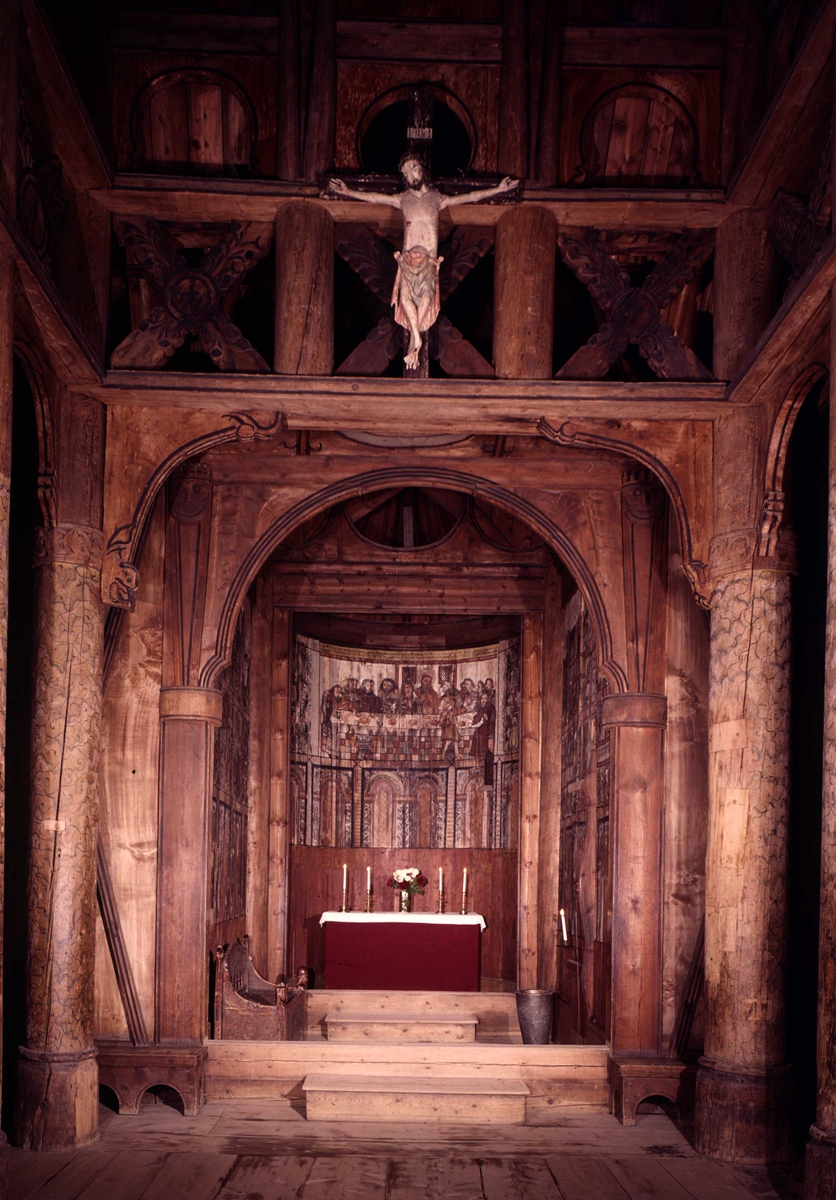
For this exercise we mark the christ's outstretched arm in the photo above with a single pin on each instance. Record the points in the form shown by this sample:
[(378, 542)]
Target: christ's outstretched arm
[(340, 188), (507, 185)]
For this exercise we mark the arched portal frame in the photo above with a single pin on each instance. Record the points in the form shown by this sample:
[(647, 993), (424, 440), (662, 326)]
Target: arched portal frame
[(438, 477)]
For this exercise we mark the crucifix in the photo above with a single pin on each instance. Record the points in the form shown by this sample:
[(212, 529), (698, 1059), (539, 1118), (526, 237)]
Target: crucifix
[(416, 292)]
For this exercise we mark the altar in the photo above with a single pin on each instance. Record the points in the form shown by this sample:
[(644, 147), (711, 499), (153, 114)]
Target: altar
[(438, 952)]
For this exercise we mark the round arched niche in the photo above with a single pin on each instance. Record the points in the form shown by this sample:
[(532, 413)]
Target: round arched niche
[(381, 135)]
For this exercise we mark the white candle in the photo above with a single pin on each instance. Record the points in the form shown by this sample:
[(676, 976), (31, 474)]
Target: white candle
[(345, 876), (440, 882), (368, 879), (464, 890), (563, 925)]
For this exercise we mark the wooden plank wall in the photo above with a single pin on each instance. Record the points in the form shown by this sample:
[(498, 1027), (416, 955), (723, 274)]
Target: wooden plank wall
[(316, 886)]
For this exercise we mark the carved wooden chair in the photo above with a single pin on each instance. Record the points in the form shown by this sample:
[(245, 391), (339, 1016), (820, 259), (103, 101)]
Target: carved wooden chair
[(249, 1008)]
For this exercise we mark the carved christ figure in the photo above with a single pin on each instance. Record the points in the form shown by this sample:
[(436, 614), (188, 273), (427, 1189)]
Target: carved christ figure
[(416, 296)]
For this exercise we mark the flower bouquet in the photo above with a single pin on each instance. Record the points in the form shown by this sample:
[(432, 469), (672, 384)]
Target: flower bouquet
[(409, 882)]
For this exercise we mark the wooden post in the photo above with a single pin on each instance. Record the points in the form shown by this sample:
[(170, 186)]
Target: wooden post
[(321, 109), (7, 279), (278, 841), (287, 107), (531, 715), (304, 290), (550, 793), (743, 1086), (189, 715), (9, 112), (513, 88), (743, 261), (637, 724), (526, 240), (57, 1105), (820, 1166)]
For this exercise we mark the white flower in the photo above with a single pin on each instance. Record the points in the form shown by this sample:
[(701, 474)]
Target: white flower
[(405, 874)]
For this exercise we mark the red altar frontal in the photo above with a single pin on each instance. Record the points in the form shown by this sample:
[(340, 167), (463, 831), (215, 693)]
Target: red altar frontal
[(403, 951)]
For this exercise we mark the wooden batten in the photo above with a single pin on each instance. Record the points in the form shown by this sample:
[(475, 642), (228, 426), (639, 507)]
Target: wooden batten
[(548, 875), (278, 840), (531, 713)]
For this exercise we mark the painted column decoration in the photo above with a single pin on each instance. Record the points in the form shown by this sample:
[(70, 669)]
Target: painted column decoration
[(743, 1086), (58, 1093)]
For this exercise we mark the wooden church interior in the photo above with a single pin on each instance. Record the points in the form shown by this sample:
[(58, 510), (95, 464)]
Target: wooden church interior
[(554, 606)]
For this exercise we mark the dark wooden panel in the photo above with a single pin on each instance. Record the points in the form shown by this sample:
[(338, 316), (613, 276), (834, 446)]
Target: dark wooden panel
[(316, 886)]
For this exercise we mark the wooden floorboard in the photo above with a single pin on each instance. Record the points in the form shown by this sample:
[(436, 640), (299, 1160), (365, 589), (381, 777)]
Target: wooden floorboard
[(266, 1150)]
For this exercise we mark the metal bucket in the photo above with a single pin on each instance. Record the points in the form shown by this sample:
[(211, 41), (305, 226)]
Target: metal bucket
[(534, 1012)]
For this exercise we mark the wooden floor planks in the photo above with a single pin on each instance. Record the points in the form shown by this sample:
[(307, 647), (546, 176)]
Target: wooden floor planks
[(266, 1150)]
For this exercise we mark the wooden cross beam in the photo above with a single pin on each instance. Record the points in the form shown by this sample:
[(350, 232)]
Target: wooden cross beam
[(634, 312), (192, 297), (366, 254)]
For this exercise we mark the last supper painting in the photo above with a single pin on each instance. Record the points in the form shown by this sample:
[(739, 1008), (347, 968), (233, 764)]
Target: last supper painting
[(417, 599)]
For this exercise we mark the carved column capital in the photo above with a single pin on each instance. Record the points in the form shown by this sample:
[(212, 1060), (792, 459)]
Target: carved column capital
[(191, 704), (80, 545), (634, 708), (738, 553)]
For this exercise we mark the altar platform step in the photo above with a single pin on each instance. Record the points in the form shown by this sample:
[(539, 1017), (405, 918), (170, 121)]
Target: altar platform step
[(496, 1012), (347, 1026), (557, 1077), (397, 1096)]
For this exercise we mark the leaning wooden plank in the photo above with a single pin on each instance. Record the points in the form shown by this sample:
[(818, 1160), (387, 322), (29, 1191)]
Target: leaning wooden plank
[(194, 1176), (586, 1179), (518, 1179), (342, 1178), (127, 1177), (72, 1179), (278, 1177)]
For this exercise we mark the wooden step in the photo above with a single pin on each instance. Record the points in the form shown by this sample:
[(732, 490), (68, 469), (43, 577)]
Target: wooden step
[(347, 1026), (498, 1100)]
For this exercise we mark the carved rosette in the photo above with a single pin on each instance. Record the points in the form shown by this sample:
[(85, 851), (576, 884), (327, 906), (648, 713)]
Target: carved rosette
[(746, 905), (64, 789)]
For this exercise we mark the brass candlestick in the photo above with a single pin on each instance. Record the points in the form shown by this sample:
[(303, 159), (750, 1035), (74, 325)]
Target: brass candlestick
[(441, 902), (369, 900)]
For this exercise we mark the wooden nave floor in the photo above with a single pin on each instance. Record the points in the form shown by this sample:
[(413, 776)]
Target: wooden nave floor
[(266, 1150)]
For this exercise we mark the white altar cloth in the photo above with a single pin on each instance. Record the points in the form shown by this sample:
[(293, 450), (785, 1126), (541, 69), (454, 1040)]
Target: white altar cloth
[(407, 918)]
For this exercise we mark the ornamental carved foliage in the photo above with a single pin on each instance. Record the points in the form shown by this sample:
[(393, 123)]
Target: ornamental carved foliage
[(65, 739), (798, 225), (192, 298), (633, 314)]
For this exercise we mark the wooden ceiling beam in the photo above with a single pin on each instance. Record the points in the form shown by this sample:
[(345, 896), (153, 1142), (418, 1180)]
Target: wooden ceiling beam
[(788, 135), (74, 138), (73, 358), (415, 406), (170, 198), (792, 333)]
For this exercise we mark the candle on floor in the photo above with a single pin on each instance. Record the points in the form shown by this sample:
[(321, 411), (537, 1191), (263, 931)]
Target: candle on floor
[(464, 891), (563, 926)]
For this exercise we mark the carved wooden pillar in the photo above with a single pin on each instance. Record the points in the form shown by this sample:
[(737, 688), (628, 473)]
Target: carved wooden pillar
[(58, 1079), (304, 290), (526, 242), (189, 715), (743, 1084), (820, 1166), (531, 720), (637, 723)]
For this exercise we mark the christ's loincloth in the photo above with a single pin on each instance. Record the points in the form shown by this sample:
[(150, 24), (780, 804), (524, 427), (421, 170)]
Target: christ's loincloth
[(418, 273)]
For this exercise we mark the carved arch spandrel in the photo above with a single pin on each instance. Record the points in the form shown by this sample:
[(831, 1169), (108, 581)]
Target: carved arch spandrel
[(144, 447), (678, 469), (427, 476), (774, 498)]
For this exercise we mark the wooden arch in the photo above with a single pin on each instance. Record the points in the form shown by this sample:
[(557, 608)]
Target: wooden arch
[(440, 477), (774, 497)]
